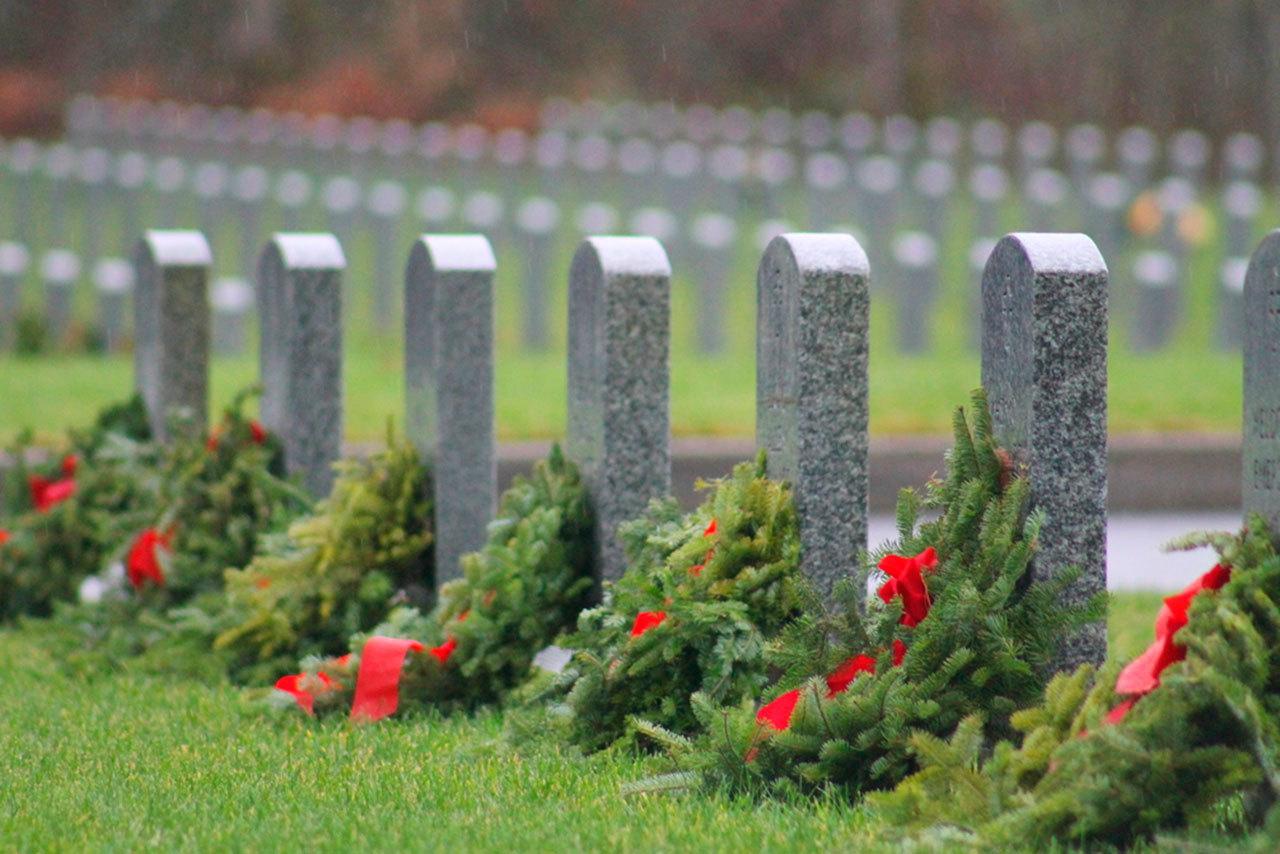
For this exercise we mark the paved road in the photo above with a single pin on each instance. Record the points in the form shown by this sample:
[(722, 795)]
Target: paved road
[(1134, 540)]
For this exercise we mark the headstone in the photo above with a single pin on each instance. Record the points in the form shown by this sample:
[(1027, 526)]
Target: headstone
[(1037, 146), (729, 166), (879, 182), (598, 218), (1231, 303), (437, 206), (113, 279), (1241, 205), (1044, 366), (59, 269), (131, 171), (943, 137), (619, 416), (386, 202), (637, 162), (1189, 153), (59, 164), (712, 236), (484, 213), (300, 314), (775, 169), (449, 387), (232, 300), (817, 130), (1156, 275), (682, 175), (915, 256), (14, 261), (737, 124), (857, 134), (210, 182), (250, 186), (293, 193), (1107, 198), (933, 182), (1242, 157), (341, 195), (1046, 195), (989, 186), (168, 178), (811, 392), (901, 135), (171, 326), (1086, 147), (827, 177), (94, 170), (989, 140), (1136, 148), (24, 156), (538, 221), (1261, 451), (777, 126)]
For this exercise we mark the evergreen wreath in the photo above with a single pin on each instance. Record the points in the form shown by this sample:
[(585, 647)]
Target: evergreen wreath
[(956, 626), (518, 592), (1186, 739), (702, 595), (334, 572)]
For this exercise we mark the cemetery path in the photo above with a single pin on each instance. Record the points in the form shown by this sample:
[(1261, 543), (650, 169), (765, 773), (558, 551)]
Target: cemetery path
[(1134, 542)]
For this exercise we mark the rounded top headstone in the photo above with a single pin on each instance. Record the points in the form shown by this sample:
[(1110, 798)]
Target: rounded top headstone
[(387, 199), (538, 215), (511, 147), (231, 295), (308, 251), (623, 256), (483, 209), (934, 179), (825, 171), (915, 250), (324, 132), (880, 175), (1189, 150), (551, 150), (777, 126), (637, 156), (210, 180), (1047, 187), (1136, 145), (14, 258), (988, 182), (24, 156), (817, 130), (1243, 153), (943, 137), (398, 138), (1109, 191), (1242, 200), (1061, 254), (176, 247), (131, 170), (169, 174), (658, 223), (1233, 274), (456, 253), (436, 204), (250, 183), (341, 194), (293, 189), (857, 132), (989, 139), (470, 141), (1155, 269), (728, 163), (434, 141), (818, 253), (681, 159), (113, 275), (1086, 144), (94, 167), (770, 229), (60, 266), (597, 218), (701, 122), (713, 231), (775, 166), (59, 161), (592, 153), (901, 134), (1037, 141), (737, 124)]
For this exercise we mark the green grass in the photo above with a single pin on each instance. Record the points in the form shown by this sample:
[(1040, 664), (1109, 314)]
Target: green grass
[(122, 761)]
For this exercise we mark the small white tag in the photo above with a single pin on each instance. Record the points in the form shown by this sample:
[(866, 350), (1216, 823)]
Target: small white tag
[(553, 659)]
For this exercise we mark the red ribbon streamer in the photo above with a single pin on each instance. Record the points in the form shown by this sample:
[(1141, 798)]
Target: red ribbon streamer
[(906, 579), (647, 620), (1142, 675), (143, 561), (378, 681), (292, 684)]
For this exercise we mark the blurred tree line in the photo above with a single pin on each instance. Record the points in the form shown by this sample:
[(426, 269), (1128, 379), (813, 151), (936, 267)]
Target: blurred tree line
[(1167, 63)]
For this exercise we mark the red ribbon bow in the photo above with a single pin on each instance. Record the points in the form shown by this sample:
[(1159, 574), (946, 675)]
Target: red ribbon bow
[(647, 620), (143, 561), (378, 681), (710, 531), (257, 433), (906, 579), (45, 493), (1142, 675)]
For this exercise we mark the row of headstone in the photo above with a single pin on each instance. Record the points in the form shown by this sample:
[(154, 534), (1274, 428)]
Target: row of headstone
[(538, 227), (361, 142), (1044, 302)]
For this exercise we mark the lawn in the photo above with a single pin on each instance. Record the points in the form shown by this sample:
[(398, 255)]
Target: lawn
[(123, 761)]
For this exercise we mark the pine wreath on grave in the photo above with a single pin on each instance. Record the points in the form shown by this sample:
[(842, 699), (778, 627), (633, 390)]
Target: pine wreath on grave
[(335, 572), (526, 584), (1185, 739), (702, 595), (212, 499), (70, 513), (957, 627)]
